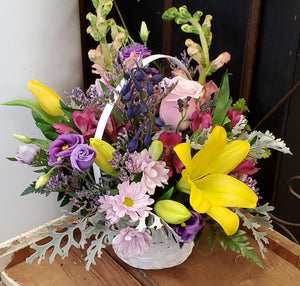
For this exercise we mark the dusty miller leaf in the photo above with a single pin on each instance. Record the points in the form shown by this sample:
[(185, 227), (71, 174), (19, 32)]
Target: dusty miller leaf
[(260, 218)]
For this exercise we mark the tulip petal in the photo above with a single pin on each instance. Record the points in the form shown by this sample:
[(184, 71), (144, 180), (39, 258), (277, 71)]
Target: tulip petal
[(183, 151), (104, 154), (224, 190), (232, 155), (226, 218), (47, 98)]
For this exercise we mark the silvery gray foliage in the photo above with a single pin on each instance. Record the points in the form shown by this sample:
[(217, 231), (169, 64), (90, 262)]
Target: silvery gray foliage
[(160, 230), (264, 140), (103, 233), (259, 219), (87, 226), (57, 237)]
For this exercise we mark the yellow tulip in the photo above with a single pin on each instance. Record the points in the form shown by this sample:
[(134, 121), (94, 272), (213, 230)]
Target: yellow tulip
[(212, 190), (47, 98), (171, 211), (104, 154)]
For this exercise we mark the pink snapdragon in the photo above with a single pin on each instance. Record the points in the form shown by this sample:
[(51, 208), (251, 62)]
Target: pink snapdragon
[(203, 119), (154, 173), (234, 116), (131, 242)]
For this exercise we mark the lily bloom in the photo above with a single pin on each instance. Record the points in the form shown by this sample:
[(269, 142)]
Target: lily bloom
[(212, 191)]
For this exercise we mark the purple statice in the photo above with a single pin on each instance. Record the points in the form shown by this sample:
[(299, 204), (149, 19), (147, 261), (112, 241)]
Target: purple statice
[(97, 95), (87, 200), (189, 229), (138, 48), (125, 164)]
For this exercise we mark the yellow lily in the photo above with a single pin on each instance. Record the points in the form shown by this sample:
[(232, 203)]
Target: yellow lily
[(212, 190), (47, 98), (104, 154)]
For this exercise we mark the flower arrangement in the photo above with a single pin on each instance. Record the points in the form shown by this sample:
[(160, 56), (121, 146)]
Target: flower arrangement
[(143, 152)]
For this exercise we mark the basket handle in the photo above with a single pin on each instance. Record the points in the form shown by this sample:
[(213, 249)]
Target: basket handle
[(109, 106)]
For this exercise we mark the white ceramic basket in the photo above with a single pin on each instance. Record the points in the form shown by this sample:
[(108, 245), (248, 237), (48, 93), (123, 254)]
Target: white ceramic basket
[(162, 254), (166, 252)]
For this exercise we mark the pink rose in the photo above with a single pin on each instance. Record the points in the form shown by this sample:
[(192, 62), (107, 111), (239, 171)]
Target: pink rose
[(169, 112)]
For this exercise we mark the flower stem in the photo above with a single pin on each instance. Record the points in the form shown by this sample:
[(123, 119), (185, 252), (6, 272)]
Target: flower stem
[(205, 54)]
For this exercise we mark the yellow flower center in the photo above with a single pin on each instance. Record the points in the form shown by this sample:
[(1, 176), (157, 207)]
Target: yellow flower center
[(65, 147), (183, 224), (128, 202)]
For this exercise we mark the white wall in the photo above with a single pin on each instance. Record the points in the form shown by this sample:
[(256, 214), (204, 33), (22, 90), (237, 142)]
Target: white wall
[(40, 40)]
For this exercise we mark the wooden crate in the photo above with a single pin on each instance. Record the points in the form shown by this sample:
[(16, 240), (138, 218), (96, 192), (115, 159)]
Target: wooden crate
[(282, 267)]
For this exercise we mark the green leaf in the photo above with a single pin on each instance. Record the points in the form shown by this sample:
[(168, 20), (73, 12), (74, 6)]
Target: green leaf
[(223, 102), (65, 201), (211, 237), (253, 140), (47, 129), (60, 196), (11, 159), (240, 105), (34, 106), (167, 195), (31, 189), (240, 244)]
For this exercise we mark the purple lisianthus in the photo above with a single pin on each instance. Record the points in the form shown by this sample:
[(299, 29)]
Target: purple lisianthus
[(188, 230), (26, 154), (82, 157), (140, 50), (62, 148)]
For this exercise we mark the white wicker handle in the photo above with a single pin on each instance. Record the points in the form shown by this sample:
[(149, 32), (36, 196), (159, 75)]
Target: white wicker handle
[(109, 107)]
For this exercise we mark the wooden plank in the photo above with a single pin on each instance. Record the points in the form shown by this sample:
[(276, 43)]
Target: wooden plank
[(284, 247), (71, 272), (222, 268), (19, 245)]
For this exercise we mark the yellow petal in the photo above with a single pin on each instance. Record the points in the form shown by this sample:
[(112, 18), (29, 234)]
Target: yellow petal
[(183, 151), (226, 218), (104, 154), (46, 97), (233, 154), (198, 201), (205, 159), (224, 190)]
